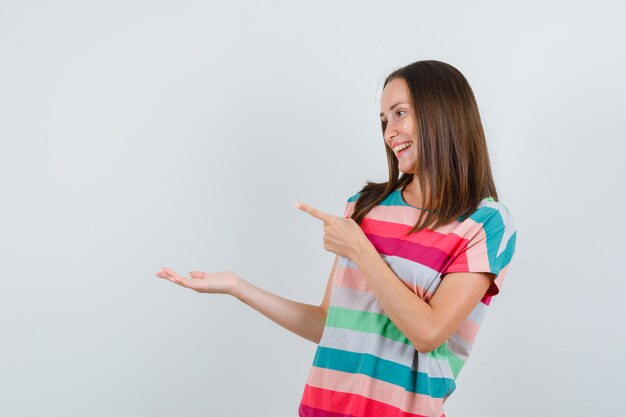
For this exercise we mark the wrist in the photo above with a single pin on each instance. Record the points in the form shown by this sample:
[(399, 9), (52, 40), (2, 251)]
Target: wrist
[(237, 287), (363, 250)]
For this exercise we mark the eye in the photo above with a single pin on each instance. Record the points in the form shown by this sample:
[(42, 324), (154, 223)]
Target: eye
[(400, 111)]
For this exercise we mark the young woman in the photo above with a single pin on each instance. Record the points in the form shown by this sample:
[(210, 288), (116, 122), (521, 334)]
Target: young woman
[(418, 259)]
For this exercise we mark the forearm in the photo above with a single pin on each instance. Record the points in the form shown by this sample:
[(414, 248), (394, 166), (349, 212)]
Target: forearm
[(305, 320), (410, 314)]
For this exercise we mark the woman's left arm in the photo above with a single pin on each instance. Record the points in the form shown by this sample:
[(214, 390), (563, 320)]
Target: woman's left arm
[(426, 325)]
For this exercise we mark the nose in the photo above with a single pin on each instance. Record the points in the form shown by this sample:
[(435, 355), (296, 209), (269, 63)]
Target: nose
[(390, 131)]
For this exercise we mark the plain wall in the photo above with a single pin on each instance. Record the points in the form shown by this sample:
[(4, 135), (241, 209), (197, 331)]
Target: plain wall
[(139, 134)]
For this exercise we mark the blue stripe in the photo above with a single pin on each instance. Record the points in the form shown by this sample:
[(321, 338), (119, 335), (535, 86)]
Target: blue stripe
[(383, 370), (506, 255), (493, 226)]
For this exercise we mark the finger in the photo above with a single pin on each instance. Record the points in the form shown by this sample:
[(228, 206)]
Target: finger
[(167, 270), (170, 272), (183, 281), (177, 276), (197, 274), (173, 276), (318, 214)]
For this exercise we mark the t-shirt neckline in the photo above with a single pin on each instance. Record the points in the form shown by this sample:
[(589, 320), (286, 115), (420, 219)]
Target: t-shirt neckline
[(399, 191)]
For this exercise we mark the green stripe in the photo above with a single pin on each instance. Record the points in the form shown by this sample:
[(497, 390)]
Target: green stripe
[(366, 322), (383, 370), (456, 364), (442, 353)]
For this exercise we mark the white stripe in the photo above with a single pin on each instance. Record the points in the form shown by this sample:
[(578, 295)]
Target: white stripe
[(387, 349)]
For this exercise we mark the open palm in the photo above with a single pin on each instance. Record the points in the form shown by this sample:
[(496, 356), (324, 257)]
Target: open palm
[(216, 283)]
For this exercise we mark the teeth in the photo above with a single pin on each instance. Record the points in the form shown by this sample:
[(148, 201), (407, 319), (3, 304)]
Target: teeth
[(401, 147)]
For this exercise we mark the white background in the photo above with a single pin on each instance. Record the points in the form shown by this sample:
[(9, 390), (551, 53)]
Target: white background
[(139, 134)]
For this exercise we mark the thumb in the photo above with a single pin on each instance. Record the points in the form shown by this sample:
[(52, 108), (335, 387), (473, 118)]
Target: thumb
[(196, 274)]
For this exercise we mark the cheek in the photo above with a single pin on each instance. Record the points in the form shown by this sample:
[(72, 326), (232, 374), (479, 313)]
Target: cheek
[(408, 127)]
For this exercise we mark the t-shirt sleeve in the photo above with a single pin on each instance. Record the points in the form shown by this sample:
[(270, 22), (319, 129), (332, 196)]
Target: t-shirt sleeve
[(490, 247), (350, 203)]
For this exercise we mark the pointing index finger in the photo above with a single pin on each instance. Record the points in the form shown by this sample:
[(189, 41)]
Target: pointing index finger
[(318, 214)]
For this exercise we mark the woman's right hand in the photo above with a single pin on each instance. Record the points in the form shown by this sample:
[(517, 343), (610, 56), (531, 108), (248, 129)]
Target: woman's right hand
[(305, 320), (215, 283)]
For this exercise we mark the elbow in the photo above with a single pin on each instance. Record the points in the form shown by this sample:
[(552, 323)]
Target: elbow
[(426, 347), (425, 343), (319, 324)]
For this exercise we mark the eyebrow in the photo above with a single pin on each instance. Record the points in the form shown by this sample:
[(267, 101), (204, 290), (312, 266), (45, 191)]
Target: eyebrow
[(393, 107)]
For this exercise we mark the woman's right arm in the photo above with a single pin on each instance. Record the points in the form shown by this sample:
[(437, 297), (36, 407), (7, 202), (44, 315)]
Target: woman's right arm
[(305, 320)]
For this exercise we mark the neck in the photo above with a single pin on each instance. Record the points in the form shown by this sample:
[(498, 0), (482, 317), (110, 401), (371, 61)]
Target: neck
[(413, 192)]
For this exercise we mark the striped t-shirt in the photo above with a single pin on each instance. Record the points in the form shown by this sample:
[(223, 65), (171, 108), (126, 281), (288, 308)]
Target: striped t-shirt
[(364, 366)]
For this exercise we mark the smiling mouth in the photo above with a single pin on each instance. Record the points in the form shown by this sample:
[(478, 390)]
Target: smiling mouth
[(401, 148)]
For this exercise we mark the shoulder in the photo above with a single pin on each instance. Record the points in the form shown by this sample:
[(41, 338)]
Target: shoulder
[(350, 204), (486, 239), (378, 193), (354, 197), (492, 215), (492, 226), (372, 197)]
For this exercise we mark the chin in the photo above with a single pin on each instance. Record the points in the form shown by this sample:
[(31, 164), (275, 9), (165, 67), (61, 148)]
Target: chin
[(406, 170)]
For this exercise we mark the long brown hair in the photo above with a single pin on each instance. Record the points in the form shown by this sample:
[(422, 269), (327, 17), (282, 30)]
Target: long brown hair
[(453, 160)]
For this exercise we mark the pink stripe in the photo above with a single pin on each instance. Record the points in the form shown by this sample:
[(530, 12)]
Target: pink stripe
[(477, 255), (433, 249), (306, 411), (486, 300), (446, 242), (501, 275), (408, 216), (349, 209), (462, 267), (449, 239), (381, 391), (401, 219), (350, 403), (352, 278), (468, 330), (431, 257)]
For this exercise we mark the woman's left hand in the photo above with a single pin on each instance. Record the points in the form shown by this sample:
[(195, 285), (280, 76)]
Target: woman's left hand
[(342, 236)]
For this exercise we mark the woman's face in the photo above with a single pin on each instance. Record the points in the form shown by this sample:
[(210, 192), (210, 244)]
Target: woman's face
[(397, 112)]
